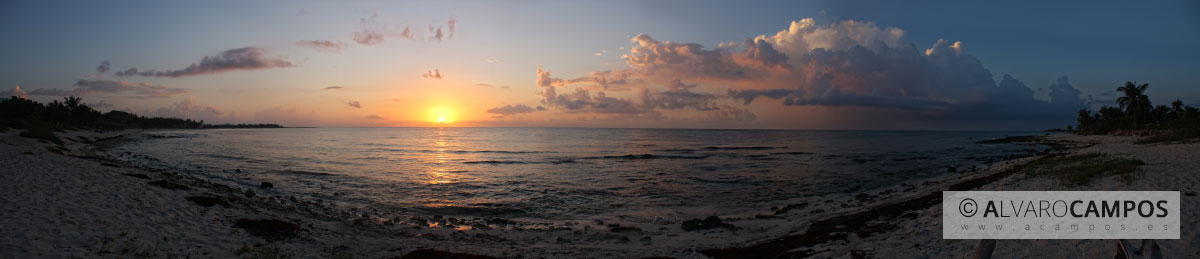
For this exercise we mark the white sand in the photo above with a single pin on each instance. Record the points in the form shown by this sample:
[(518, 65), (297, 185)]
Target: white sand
[(1169, 167)]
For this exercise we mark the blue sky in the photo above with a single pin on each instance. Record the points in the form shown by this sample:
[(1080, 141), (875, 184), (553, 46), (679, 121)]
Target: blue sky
[(55, 44)]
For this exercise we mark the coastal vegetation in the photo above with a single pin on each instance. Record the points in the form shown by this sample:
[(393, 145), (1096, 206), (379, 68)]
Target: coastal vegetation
[(40, 121), (1135, 115)]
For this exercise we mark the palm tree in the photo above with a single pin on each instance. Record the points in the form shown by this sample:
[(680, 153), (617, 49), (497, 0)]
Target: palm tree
[(1177, 108), (1135, 100)]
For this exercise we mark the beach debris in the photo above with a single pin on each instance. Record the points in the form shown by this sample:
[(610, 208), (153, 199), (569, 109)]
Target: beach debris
[(269, 229), (707, 223), (239, 170), (208, 201), (266, 185), (169, 185)]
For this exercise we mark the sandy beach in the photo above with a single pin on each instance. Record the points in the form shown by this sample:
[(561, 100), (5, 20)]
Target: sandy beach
[(74, 200)]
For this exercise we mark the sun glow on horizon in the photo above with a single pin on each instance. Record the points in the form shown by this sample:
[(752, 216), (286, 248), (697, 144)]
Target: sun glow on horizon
[(441, 115)]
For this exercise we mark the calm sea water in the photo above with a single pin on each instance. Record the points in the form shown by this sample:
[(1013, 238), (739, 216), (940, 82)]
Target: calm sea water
[(564, 173)]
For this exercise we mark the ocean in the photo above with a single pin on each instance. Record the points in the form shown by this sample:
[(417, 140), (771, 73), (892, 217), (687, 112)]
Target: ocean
[(565, 174)]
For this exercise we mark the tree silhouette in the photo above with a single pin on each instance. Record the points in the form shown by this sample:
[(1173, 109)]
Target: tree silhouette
[(1135, 101), (1177, 108)]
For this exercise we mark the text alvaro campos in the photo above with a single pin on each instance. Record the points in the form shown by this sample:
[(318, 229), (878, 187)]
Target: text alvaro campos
[(1060, 215)]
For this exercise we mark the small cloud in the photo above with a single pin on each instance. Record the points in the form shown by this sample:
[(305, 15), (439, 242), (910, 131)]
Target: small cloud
[(433, 74), (104, 66), (484, 85), (407, 33), (492, 60), (436, 32), (375, 117), (354, 104), (600, 54), (16, 91), (370, 19), (334, 87), (396, 100), (323, 45), (368, 37), (249, 58), (452, 24)]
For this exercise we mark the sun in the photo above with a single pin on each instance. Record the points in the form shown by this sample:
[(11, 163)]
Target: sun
[(441, 115)]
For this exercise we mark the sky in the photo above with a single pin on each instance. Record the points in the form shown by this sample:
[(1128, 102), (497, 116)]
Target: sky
[(846, 65)]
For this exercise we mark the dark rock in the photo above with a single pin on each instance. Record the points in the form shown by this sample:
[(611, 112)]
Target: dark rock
[(265, 185), (625, 229), (1190, 193), (787, 208), (428, 253), (110, 165), (249, 194), (239, 170), (951, 169), (169, 185), (707, 223), (269, 229), (140, 176), (208, 201)]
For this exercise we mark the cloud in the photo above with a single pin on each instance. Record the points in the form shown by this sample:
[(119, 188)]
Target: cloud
[(128, 72), (354, 104), (451, 24), (437, 33), (432, 74), (104, 66), (406, 33), (840, 65), (375, 117), (249, 58), (100, 105), (730, 113), (323, 45), (187, 109), (333, 87), (509, 110), (492, 60), (370, 19), (138, 90), (368, 37), (16, 91)]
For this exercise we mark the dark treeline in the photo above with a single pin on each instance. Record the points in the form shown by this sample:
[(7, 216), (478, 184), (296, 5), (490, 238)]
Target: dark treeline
[(1135, 115), (41, 120)]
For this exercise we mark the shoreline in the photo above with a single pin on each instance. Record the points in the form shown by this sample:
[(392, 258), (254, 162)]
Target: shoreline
[(316, 225)]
